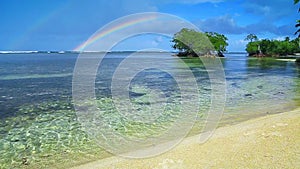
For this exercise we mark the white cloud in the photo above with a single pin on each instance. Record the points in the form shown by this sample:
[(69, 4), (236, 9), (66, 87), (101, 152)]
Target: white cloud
[(280, 38)]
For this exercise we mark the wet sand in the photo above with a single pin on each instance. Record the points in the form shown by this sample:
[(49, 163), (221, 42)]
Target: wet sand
[(272, 141)]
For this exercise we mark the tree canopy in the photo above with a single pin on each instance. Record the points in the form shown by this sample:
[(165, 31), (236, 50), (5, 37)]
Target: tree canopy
[(266, 47), (251, 38), (219, 41), (191, 42)]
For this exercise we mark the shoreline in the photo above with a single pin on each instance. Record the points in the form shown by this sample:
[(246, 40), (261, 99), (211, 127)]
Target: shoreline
[(261, 142)]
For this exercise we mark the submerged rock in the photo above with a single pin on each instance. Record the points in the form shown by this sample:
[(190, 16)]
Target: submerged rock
[(260, 86), (25, 161), (248, 95)]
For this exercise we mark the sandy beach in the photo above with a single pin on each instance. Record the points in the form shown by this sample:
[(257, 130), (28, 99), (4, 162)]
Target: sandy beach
[(272, 141)]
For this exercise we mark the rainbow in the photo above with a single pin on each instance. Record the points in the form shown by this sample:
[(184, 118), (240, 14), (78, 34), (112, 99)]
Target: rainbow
[(113, 29)]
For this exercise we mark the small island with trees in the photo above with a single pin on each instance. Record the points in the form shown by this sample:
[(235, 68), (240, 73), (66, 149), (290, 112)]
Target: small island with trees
[(271, 48), (193, 43)]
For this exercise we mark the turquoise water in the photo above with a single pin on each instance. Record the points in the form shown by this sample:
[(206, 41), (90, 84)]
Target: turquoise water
[(39, 127)]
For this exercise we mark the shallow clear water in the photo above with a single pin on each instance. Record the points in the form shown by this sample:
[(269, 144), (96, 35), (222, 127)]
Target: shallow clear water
[(39, 127)]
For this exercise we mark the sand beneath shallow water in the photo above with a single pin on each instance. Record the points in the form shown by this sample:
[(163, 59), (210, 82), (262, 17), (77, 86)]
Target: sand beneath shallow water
[(272, 141)]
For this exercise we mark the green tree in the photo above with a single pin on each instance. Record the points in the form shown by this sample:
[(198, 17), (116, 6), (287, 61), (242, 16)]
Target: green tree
[(287, 39), (251, 38), (252, 48), (218, 40), (191, 42), (295, 45), (273, 47)]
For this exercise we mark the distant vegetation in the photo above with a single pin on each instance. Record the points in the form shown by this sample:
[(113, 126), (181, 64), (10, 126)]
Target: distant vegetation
[(271, 48), (192, 43)]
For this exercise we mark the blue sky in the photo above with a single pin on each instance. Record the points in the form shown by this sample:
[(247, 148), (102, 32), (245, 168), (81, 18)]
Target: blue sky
[(64, 24)]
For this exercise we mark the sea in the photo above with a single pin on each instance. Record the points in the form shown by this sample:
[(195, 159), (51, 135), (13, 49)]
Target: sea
[(40, 125)]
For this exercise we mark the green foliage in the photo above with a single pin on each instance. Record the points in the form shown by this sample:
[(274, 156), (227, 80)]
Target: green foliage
[(191, 42), (251, 38), (182, 42), (219, 41), (252, 48), (273, 47)]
